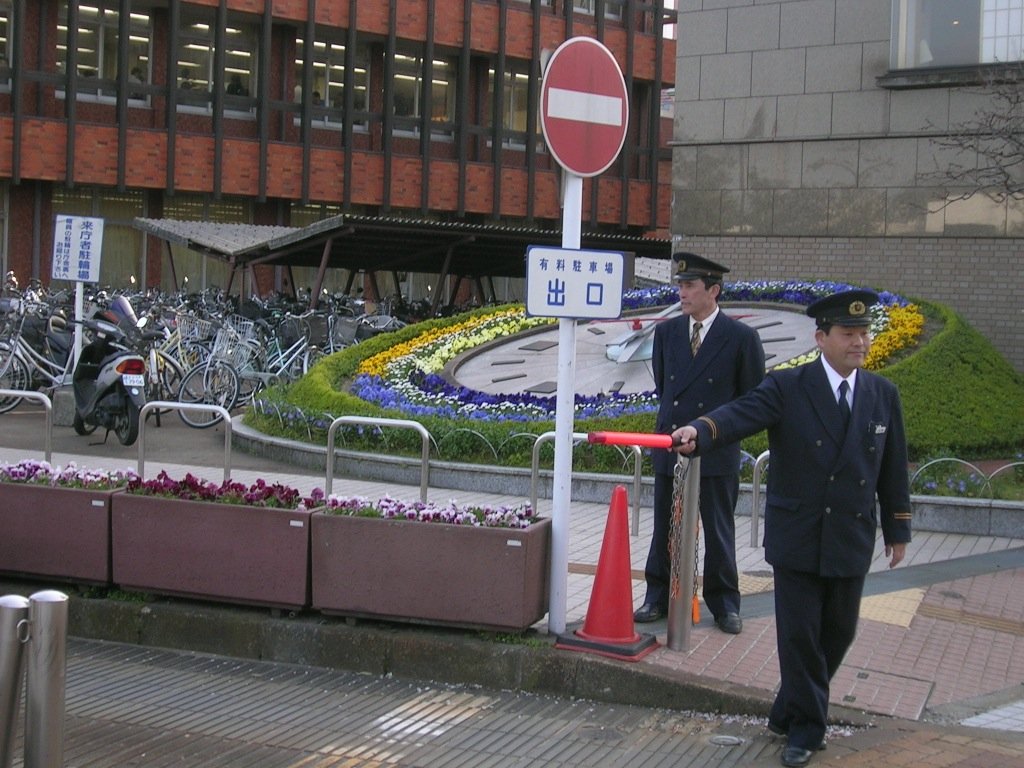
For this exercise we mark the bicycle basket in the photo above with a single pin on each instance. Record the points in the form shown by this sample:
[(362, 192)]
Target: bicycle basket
[(192, 328), (232, 348), (289, 331), (244, 327), (345, 329)]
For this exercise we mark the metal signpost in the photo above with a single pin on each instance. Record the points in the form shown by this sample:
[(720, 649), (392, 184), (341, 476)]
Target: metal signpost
[(584, 115), (77, 244)]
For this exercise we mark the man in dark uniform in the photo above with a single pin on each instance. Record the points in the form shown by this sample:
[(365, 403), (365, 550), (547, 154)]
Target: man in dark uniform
[(837, 444), (702, 359)]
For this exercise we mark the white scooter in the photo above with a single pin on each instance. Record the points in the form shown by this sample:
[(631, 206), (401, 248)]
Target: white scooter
[(109, 381)]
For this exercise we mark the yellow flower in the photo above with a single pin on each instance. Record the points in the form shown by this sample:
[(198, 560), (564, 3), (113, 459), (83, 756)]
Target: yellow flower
[(906, 324)]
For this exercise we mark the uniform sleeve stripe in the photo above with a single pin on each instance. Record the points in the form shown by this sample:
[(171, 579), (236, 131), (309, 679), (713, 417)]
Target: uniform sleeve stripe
[(711, 426)]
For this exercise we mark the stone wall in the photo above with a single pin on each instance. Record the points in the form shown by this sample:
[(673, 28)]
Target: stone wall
[(977, 277)]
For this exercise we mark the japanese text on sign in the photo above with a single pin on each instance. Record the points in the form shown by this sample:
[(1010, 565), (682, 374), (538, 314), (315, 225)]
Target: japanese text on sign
[(562, 282), (77, 244)]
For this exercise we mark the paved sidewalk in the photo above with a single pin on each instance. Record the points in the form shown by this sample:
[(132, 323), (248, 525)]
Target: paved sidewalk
[(940, 649)]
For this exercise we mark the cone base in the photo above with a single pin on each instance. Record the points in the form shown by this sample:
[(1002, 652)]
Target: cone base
[(631, 651)]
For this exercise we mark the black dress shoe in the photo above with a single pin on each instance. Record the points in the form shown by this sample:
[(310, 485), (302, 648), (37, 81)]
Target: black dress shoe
[(648, 612), (776, 730), (793, 757), (730, 623)]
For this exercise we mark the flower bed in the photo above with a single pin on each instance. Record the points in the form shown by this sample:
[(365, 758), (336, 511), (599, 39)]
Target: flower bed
[(469, 566), (405, 376), (55, 522), (227, 542)]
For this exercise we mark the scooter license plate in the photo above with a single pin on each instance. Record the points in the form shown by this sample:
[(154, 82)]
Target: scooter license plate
[(133, 379)]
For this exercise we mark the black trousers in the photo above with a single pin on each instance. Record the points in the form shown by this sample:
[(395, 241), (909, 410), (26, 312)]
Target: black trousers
[(718, 496), (816, 622)]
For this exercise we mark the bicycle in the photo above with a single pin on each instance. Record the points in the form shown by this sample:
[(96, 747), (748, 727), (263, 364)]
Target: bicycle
[(216, 380)]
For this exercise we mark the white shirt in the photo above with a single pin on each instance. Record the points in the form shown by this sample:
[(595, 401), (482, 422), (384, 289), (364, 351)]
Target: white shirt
[(834, 380), (705, 324)]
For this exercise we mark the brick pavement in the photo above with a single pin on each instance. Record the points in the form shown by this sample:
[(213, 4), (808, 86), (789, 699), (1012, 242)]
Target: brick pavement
[(940, 647)]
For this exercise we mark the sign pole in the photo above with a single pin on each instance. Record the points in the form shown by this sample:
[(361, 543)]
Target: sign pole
[(565, 405), (584, 114)]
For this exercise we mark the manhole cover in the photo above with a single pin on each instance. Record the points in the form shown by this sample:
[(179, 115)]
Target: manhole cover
[(726, 741)]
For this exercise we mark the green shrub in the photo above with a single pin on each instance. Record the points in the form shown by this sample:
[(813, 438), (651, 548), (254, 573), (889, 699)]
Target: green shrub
[(960, 396)]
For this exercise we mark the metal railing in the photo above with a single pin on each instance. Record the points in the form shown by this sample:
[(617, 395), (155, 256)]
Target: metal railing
[(221, 411), (755, 497), (372, 422), (581, 437), (47, 404)]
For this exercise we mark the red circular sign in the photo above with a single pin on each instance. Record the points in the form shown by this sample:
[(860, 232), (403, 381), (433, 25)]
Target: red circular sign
[(584, 106)]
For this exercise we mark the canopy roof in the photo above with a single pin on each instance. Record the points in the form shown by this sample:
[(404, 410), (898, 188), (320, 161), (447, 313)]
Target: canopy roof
[(372, 244)]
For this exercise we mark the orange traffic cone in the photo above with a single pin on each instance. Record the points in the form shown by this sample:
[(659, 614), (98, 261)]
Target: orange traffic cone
[(608, 629)]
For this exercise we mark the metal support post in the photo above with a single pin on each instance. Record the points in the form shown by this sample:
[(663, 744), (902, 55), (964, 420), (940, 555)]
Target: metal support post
[(47, 666), (13, 634), (680, 615)]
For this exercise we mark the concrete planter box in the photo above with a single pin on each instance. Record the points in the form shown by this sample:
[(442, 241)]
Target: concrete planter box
[(61, 533), (453, 575), (224, 552)]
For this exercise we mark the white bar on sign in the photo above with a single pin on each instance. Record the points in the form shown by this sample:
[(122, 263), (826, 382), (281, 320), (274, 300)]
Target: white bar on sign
[(584, 107)]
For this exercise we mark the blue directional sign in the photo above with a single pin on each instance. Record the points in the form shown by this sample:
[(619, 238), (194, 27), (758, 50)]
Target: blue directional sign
[(563, 282)]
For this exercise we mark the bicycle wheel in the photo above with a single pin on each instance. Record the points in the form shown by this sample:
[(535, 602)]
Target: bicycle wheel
[(167, 381), (213, 384), (13, 375)]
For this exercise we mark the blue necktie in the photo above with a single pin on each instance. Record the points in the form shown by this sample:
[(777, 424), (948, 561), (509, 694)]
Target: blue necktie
[(844, 404)]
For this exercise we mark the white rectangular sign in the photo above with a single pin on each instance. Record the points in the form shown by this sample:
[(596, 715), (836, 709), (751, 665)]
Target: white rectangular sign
[(562, 282), (77, 243)]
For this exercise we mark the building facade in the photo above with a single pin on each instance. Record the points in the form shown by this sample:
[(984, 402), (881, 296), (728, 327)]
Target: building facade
[(283, 112), (818, 139)]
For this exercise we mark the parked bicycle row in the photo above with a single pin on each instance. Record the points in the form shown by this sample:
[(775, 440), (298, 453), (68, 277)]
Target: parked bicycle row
[(143, 346)]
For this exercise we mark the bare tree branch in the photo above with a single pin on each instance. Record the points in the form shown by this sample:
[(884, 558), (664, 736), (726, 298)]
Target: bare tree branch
[(994, 139)]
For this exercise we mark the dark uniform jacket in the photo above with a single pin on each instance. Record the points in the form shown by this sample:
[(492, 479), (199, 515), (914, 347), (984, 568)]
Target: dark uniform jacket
[(820, 511), (730, 362)]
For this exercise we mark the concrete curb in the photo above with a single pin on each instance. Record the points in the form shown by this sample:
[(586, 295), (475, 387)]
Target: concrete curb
[(458, 657)]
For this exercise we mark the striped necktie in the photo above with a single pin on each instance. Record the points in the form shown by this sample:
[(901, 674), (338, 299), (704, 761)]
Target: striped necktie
[(695, 339)]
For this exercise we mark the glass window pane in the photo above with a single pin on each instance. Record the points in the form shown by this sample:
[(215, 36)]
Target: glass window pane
[(328, 89), (951, 33)]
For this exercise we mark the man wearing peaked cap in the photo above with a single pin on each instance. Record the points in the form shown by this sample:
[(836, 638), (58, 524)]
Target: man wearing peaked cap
[(849, 308), (701, 359), (690, 266), (837, 469)]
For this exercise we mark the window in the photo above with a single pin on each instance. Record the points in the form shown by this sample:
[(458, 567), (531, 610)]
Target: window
[(98, 46), (196, 61), (328, 90), (951, 33), (6, 54), (516, 101), (408, 91), (612, 9)]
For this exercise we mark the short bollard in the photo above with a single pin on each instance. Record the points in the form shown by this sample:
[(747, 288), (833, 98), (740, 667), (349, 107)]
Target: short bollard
[(45, 687), (13, 633)]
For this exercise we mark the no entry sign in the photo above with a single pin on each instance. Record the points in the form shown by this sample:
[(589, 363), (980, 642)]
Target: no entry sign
[(584, 108)]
